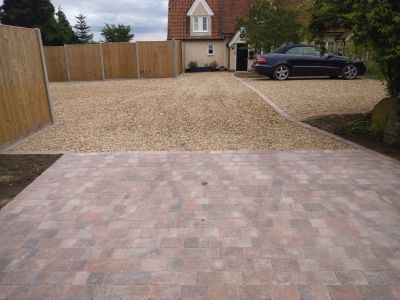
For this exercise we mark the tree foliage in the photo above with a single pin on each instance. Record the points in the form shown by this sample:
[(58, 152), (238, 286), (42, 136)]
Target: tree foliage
[(82, 30), (66, 34), (54, 26), (32, 14), (375, 24), (271, 23), (117, 33)]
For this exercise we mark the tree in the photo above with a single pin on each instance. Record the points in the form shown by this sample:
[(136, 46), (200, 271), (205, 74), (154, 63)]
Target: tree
[(271, 23), (82, 30), (64, 29), (117, 33), (375, 25), (32, 14)]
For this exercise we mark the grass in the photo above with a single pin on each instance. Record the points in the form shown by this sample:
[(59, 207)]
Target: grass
[(5, 178), (248, 75)]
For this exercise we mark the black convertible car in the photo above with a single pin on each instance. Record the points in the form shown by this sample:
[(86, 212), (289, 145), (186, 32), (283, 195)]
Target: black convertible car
[(306, 60)]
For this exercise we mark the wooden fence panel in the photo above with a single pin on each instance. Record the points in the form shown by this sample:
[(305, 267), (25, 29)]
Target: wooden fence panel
[(119, 60), (156, 59), (56, 64), (24, 102), (115, 60), (84, 62)]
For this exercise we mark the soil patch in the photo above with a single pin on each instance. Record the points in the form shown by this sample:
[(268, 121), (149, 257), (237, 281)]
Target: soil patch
[(338, 124), (18, 171)]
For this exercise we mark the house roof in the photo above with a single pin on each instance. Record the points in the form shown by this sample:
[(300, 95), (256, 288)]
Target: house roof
[(232, 10), (178, 21), (226, 14), (196, 4)]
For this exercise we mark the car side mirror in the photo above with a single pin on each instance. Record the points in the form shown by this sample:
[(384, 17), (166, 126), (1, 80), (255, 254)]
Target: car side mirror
[(328, 56)]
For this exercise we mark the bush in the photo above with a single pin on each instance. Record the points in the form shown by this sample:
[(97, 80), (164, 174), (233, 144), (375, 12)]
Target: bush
[(361, 52), (214, 65), (373, 70), (362, 125), (374, 123), (193, 64)]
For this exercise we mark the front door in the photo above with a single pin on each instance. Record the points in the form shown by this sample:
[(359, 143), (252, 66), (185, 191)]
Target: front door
[(242, 55)]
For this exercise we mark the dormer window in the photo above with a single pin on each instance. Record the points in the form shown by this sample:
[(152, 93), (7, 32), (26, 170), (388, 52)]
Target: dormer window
[(200, 15), (200, 24)]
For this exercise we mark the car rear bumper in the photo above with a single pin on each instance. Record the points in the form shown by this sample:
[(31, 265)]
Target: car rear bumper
[(263, 69)]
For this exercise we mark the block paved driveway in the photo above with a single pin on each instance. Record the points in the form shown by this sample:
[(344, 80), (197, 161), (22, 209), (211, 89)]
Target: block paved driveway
[(268, 225)]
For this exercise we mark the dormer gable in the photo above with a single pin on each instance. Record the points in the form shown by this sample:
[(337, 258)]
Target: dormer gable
[(200, 6)]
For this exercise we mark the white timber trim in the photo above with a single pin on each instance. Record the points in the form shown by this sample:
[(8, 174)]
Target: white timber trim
[(196, 3)]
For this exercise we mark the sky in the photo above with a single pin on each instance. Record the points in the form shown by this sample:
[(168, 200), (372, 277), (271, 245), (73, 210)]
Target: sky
[(148, 18)]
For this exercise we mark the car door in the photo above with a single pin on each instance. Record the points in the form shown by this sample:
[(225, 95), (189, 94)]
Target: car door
[(334, 64), (316, 64), (295, 59)]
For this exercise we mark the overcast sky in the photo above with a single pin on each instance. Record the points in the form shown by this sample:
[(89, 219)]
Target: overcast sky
[(148, 18)]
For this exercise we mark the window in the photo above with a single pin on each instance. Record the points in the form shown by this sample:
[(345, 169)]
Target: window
[(294, 51), (210, 50), (200, 24), (330, 46), (310, 51)]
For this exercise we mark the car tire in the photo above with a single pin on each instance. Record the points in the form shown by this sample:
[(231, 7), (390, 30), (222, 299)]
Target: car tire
[(349, 72), (281, 72)]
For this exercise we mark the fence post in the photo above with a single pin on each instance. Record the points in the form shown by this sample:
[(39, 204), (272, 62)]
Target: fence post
[(174, 60), (67, 63), (102, 61), (137, 60), (183, 58), (45, 76)]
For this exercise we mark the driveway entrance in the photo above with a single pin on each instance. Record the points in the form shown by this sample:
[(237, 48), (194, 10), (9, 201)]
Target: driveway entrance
[(200, 225)]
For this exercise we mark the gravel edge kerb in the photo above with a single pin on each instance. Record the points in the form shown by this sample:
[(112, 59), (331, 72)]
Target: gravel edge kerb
[(285, 115)]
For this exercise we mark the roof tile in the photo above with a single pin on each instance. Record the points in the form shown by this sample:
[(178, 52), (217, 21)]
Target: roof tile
[(226, 15)]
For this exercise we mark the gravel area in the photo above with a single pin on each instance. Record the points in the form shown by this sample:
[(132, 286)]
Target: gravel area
[(303, 98), (209, 111)]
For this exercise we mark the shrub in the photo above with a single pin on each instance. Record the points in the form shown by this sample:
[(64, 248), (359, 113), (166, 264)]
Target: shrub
[(373, 70), (193, 64), (214, 65)]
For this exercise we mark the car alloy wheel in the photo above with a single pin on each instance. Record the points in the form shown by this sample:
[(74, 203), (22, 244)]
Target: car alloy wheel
[(350, 72), (281, 72)]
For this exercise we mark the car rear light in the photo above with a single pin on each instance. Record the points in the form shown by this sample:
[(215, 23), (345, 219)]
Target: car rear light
[(262, 60)]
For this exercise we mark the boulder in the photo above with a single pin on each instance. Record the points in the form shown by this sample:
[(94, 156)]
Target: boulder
[(380, 113), (391, 133)]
